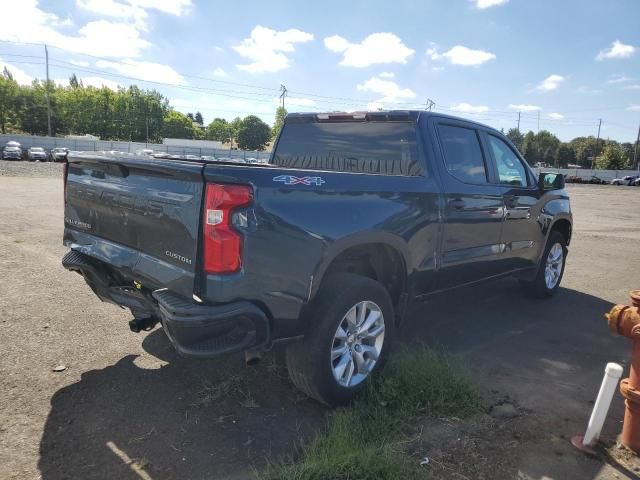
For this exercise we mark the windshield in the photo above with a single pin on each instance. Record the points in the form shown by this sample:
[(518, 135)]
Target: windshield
[(37, 149), (387, 148)]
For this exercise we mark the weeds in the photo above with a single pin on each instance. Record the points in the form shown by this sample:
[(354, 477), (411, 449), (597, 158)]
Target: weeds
[(361, 442)]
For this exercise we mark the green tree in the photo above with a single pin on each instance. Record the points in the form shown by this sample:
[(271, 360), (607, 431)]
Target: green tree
[(219, 130), (564, 155), (516, 137), (547, 144), (612, 158), (177, 125), (281, 112), (8, 100), (254, 134), (586, 149), (529, 149), (235, 124), (198, 119)]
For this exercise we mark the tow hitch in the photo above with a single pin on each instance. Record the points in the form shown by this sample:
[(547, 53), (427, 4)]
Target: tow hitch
[(144, 323)]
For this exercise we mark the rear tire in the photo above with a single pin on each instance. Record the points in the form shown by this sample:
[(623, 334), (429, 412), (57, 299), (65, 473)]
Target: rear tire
[(550, 270), (336, 357)]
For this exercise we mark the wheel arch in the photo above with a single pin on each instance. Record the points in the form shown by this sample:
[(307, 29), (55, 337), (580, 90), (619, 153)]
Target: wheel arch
[(378, 255)]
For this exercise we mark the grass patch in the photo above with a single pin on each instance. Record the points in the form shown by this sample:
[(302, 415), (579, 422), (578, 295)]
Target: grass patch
[(361, 442)]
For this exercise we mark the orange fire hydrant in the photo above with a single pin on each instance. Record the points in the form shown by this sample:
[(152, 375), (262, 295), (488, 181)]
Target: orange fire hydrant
[(625, 320)]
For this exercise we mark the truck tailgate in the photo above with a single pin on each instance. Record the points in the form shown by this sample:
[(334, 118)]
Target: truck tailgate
[(141, 216)]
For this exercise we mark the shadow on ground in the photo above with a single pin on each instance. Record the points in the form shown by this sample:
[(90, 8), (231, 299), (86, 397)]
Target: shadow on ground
[(186, 420), (218, 418), (545, 356)]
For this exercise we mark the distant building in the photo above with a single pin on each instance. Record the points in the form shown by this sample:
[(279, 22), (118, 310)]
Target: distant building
[(181, 142)]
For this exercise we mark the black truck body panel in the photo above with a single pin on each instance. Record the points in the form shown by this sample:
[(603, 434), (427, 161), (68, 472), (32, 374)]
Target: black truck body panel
[(139, 222)]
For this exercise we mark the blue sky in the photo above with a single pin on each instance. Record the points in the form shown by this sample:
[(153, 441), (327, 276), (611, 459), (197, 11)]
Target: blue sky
[(570, 62)]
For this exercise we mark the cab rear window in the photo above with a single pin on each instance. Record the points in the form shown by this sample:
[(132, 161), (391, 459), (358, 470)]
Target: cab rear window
[(385, 148)]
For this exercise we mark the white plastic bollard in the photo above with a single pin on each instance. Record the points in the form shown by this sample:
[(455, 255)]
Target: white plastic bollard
[(612, 374)]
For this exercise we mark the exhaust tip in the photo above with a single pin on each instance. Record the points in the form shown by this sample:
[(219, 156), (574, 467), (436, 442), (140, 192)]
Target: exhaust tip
[(252, 357)]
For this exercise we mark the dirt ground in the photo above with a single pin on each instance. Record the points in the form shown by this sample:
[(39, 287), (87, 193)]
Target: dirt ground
[(127, 407)]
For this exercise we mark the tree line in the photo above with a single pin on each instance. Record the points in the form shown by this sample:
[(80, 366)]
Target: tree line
[(586, 152), (126, 114), (139, 115)]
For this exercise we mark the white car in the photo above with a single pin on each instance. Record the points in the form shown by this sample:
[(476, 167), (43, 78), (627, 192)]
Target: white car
[(37, 153), (628, 180)]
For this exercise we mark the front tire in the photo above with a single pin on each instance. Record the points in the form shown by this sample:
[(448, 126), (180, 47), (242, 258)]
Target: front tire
[(348, 341), (550, 270)]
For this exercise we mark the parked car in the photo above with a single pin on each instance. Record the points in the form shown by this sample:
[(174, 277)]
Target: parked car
[(144, 151), (37, 153), (321, 251), (597, 180), (627, 180), (58, 154), (572, 179), (636, 182), (11, 152)]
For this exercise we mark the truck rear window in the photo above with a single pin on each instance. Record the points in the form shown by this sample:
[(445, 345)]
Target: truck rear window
[(385, 148)]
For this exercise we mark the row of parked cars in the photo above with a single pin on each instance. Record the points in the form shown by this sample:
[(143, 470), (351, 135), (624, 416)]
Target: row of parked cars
[(14, 151), (629, 180)]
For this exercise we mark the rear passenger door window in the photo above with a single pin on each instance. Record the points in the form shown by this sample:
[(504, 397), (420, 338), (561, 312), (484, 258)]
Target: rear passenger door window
[(462, 154), (510, 169)]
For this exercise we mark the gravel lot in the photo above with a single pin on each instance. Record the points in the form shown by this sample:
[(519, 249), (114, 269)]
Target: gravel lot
[(127, 407)]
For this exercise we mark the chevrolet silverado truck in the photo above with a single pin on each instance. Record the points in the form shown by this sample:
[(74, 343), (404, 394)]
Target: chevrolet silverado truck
[(319, 251)]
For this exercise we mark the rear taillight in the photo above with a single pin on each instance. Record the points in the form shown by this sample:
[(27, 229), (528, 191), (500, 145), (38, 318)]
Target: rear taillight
[(222, 243)]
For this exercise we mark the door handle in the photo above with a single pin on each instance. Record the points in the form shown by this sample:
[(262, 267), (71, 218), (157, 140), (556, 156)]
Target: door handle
[(457, 204), (510, 201)]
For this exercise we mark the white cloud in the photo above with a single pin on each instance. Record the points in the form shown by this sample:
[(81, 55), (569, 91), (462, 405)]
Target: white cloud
[(482, 4), (135, 10), (99, 82), (390, 91), (382, 47), (555, 116), (468, 108), (618, 79), (552, 82), (267, 48), (633, 108), (616, 50), (522, 107), (79, 63), (19, 75), (633, 86), (387, 75), (461, 55), (220, 72), (101, 37), (143, 70)]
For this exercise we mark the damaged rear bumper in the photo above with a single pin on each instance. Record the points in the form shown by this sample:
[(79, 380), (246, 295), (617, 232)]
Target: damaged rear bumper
[(195, 329)]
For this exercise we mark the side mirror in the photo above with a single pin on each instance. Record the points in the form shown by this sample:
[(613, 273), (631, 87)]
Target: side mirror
[(550, 181)]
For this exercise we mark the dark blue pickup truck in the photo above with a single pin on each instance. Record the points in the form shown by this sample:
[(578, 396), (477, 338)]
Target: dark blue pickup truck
[(320, 250)]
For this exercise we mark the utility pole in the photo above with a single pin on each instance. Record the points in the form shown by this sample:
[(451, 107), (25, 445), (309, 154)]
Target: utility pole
[(597, 144), (46, 90), (518, 122), (283, 93), (429, 105), (635, 152)]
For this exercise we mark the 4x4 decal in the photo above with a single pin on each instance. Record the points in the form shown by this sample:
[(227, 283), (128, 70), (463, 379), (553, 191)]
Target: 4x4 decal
[(291, 180)]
